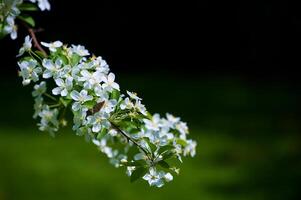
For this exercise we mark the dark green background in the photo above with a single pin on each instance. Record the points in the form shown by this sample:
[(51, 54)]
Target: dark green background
[(248, 144)]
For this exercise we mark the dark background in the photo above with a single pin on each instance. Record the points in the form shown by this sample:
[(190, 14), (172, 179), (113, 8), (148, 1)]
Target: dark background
[(251, 39), (230, 69)]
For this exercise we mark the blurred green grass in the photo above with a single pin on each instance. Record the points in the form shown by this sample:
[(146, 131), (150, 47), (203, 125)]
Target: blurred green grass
[(248, 145)]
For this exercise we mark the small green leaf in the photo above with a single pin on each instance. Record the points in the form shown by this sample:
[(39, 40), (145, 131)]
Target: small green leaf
[(102, 133), (64, 59), (165, 148), (138, 173), (164, 164), (137, 163), (168, 155), (115, 94), (40, 53), (132, 152), (75, 59), (152, 146), (28, 7), (90, 104), (181, 142), (28, 19)]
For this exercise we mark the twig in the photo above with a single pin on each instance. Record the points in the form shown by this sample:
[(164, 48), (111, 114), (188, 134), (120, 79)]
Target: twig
[(32, 33), (132, 140), (35, 41)]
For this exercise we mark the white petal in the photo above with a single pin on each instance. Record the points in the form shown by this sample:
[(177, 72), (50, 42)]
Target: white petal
[(45, 44), (76, 106), (59, 82), (75, 95), (57, 44), (168, 177), (111, 77), (64, 92), (96, 128), (47, 74), (115, 86), (85, 73), (56, 91), (47, 64)]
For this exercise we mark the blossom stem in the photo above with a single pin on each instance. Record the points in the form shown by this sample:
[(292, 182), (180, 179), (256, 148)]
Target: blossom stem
[(33, 54), (132, 140), (50, 97), (55, 105)]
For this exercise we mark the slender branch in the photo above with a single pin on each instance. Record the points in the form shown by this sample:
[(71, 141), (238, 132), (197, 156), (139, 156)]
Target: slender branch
[(32, 33), (132, 140), (35, 40)]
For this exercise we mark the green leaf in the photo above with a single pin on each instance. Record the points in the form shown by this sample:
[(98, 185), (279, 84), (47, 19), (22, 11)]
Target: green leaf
[(75, 59), (28, 7), (138, 173), (115, 94), (102, 133), (181, 142), (165, 148), (137, 163), (28, 19), (132, 152), (90, 104), (40, 53), (168, 155), (164, 164), (152, 146), (64, 59)]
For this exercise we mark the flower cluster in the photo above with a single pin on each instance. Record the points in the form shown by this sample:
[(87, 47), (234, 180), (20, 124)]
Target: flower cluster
[(11, 9), (69, 79)]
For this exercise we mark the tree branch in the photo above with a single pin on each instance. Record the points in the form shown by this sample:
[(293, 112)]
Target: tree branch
[(132, 140), (35, 41)]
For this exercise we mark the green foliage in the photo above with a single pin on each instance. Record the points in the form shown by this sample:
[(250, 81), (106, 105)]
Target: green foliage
[(27, 19), (138, 173)]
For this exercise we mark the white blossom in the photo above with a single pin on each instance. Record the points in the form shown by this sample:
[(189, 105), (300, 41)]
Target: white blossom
[(53, 45), (182, 128), (11, 28), (140, 107), (133, 95), (39, 89), (43, 4), (63, 86), (80, 50), (98, 121), (109, 83), (154, 123), (29, 71), (52, 69), (80, 98), (190, 148), (154, 178), (90, 79), (26, 46), (127, 104)]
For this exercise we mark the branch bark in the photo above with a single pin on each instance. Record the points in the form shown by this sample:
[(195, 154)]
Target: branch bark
[(132, 140), (35, 41)]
